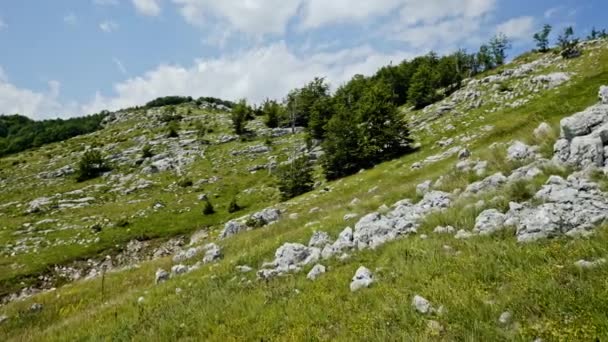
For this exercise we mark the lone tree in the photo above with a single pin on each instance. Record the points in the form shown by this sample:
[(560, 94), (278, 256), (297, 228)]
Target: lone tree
[(91, 165), (422, 91), (240, 114), (542, 38), (499, 45), (295, 178), (568, 44)]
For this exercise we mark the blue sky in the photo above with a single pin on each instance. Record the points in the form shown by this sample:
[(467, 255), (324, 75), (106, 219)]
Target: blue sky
[(76, 57)]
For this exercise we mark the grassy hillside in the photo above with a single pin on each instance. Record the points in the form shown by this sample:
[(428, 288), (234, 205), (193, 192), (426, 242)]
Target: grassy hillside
[(475, 280)]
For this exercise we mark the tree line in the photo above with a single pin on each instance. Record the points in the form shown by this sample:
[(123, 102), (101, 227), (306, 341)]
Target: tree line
[(19, 133)]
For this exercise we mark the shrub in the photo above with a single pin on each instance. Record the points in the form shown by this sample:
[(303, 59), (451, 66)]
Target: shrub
[(295, 179), (91, 165), (146, 152), (121, 223), (185, 183), (173, 129), (233, 207), (208, 208)]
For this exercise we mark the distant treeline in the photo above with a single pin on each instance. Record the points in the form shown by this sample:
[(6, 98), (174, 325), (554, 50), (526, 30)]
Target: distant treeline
[(19, 133), (177, 100)]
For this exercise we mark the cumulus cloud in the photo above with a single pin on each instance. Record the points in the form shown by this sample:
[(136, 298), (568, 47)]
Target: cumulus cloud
[(254, 17), (147, 7), (269, 71), (518, 28), (318, 13), (440, 24), (108, 26), (38, 105)]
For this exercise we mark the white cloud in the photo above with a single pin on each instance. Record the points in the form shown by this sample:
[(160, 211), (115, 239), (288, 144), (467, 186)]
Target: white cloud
[(147, 7), (105, 2), (551, 12), (38, 105), (269, 71), (70, 19), (119, 65), (254, 17), (108, 26), (3, 25), (518, 28), (440, 24), (318, 13)]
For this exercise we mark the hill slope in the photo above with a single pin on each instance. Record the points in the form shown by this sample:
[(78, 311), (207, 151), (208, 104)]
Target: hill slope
[(480, 282)]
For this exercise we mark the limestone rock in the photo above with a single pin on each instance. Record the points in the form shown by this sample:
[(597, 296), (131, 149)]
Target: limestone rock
[(319, 239), (232, 228), (363, 278), (489, 222), (603, 94), (161, 276), (316, 272), (212, 253)]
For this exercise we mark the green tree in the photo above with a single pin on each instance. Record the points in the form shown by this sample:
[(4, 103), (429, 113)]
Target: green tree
[(422, 91), (343, 154), (91, 165), (301, 101), (484, 58), (383, 135), (173, 129), (542, 38), (272, 113), (499, 44), (568, 44), (295, 178), (240, 113), (320, 113)]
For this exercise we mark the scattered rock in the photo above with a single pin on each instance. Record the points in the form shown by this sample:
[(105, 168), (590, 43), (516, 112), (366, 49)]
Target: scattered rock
[(212, 253), (422, 305), (161, 276), (520, 151), (543, 130), (316, 272), (603, 94), (232, 228), (244, 269), (505, 318), (423, 188), (319, 239), (363, 278), (179, 269), (434, 328), (489, 222), (444, 230), (36, 307), (584, 264), (463, 235)]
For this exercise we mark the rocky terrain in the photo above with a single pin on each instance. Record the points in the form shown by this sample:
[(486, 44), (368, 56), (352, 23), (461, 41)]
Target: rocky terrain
[(493, 230)]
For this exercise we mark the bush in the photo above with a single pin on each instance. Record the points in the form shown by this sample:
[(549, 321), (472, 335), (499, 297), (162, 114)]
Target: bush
[(208, 208), (91, 165), (233, 207), (121, 223), (172, 131), (295, 179), (185, 183), (146, 152)]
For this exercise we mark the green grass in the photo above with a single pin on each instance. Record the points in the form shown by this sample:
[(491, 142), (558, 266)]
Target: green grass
[(475, 280)]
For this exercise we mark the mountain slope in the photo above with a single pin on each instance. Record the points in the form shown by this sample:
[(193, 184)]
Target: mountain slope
[(475, 280)]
